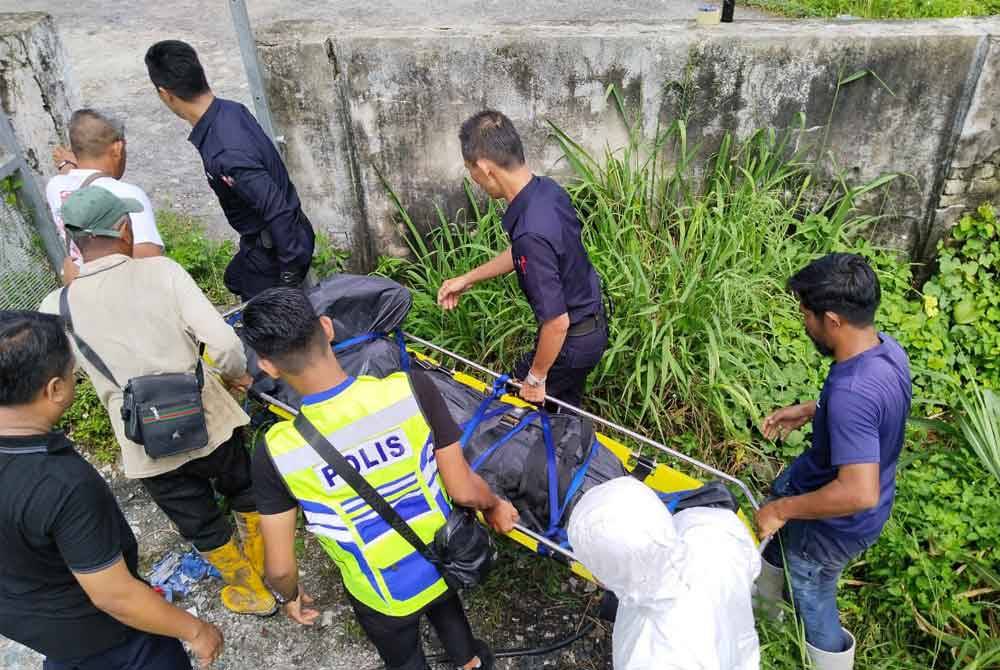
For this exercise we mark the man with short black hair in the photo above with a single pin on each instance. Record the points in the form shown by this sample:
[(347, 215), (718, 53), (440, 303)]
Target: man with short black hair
[(98, 157), (245, 171), (69, 585), (398, 433), (833, 500), (547, 253), (149, 317)]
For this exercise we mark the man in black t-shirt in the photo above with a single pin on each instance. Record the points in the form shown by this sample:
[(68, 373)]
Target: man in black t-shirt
[(69, 585)]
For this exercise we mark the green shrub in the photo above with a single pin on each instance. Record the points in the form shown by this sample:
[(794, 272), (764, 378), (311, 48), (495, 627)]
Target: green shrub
[(88, 425), (882, 9), (327, 259), (204, 258), (945, 518)]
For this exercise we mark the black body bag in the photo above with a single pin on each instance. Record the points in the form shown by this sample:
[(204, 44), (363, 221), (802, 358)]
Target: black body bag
[(462, 551), (164, 413)]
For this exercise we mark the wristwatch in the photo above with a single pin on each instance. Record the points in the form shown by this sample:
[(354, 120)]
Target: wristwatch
[(282, 600), (532, 380)]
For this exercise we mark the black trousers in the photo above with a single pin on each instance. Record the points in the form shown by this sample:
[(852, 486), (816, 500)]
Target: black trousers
[(397, 639), (142, 651), (187, 495), (578, 357)]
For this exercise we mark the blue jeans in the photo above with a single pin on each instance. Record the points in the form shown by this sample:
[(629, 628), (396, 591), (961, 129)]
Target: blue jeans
[(141, 651), (814, 559)]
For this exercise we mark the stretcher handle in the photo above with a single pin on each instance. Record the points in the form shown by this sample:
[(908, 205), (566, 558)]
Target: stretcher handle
[(593, 417)]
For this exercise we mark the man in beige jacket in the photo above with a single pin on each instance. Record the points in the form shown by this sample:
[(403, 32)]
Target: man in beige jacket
[(145, 317)]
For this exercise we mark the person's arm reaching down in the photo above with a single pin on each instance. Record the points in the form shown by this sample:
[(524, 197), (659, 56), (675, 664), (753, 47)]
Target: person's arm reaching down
[(452, 289), (88, 530), (115, 591), (468, 489), (551, 337), (855, 449), (204, 322), (855, 489), (281, 567)]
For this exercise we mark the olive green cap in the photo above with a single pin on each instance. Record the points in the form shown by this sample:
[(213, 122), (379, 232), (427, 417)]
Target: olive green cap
[(96, 211)]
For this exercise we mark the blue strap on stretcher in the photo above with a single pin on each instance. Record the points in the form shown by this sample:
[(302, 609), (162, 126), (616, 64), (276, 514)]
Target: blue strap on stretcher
[(483, 413), (358, 339), (404, 355)]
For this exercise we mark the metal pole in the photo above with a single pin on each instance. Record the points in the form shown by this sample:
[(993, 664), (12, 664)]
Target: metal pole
[(12, 163), (248, 51), (593, 417)]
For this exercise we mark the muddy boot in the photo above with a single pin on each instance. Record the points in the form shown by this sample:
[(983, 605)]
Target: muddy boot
[(248, 525), (769, 591), (244, 592), (828, 660)]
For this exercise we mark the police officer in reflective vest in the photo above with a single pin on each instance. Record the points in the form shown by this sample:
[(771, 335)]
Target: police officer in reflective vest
[(547, 253), (398, 433)]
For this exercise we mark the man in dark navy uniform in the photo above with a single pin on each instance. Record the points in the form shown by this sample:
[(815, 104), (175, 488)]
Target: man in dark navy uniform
[(245, 171), (547, 254)]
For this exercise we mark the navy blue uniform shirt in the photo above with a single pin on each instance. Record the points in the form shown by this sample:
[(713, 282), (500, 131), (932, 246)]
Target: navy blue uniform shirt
[(248, 176), (552, 266), (860, 418)]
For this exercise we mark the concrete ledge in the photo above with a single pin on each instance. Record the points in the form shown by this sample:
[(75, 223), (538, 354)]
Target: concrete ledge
[(391, 100), (37, 88)]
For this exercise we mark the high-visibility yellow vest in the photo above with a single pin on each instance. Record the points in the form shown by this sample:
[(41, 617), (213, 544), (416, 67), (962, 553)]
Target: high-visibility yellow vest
[(378, 426)]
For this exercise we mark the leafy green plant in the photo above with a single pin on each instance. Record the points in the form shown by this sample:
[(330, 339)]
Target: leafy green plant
[(328, 259), (980, 426), (944, 521), (882, 9), (204, 258), (88, 425)]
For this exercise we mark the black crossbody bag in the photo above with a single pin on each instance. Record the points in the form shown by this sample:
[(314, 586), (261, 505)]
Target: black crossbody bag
[(164, 413), (463, 550)]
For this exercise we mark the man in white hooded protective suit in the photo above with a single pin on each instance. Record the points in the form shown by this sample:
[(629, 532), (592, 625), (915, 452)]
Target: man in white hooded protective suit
[(683, 582)]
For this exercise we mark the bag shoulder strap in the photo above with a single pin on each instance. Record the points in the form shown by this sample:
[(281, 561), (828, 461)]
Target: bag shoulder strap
[(360, 485), (84, 348), (92, 178)]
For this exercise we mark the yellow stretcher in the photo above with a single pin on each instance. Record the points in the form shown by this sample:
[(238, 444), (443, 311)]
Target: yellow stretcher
[(658, 476)]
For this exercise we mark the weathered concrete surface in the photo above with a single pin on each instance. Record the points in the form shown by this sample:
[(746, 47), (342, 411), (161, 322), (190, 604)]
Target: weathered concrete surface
[(106, 41), (973, 173), (390, 100), (37, 87)]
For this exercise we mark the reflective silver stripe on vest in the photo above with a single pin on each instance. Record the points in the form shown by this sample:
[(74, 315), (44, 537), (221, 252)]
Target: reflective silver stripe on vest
[(350, 435)]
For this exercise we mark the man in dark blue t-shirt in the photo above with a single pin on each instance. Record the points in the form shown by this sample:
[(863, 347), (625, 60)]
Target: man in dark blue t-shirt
[(546, 252), (832, 501)]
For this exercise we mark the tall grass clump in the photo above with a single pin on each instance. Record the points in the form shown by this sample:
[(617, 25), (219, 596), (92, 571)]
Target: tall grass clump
[(694, 259)]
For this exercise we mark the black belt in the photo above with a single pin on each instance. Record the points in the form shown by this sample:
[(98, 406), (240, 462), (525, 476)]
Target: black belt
[(584, 326)]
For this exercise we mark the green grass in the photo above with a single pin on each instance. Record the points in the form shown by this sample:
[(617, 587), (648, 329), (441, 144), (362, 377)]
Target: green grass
[(705, 339), (881, 9)]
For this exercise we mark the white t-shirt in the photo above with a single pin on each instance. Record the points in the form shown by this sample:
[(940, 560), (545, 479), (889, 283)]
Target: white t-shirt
[(143, 223)]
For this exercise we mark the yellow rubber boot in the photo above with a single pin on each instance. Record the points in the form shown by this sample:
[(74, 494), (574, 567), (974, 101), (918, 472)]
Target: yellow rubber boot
[(244, 592), (248, 525)]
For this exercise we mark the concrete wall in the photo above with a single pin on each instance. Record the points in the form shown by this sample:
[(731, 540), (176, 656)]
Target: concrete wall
[(389, 101), (37, 88)]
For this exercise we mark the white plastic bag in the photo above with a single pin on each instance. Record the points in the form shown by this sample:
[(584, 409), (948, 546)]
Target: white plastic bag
[(683, 583)]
